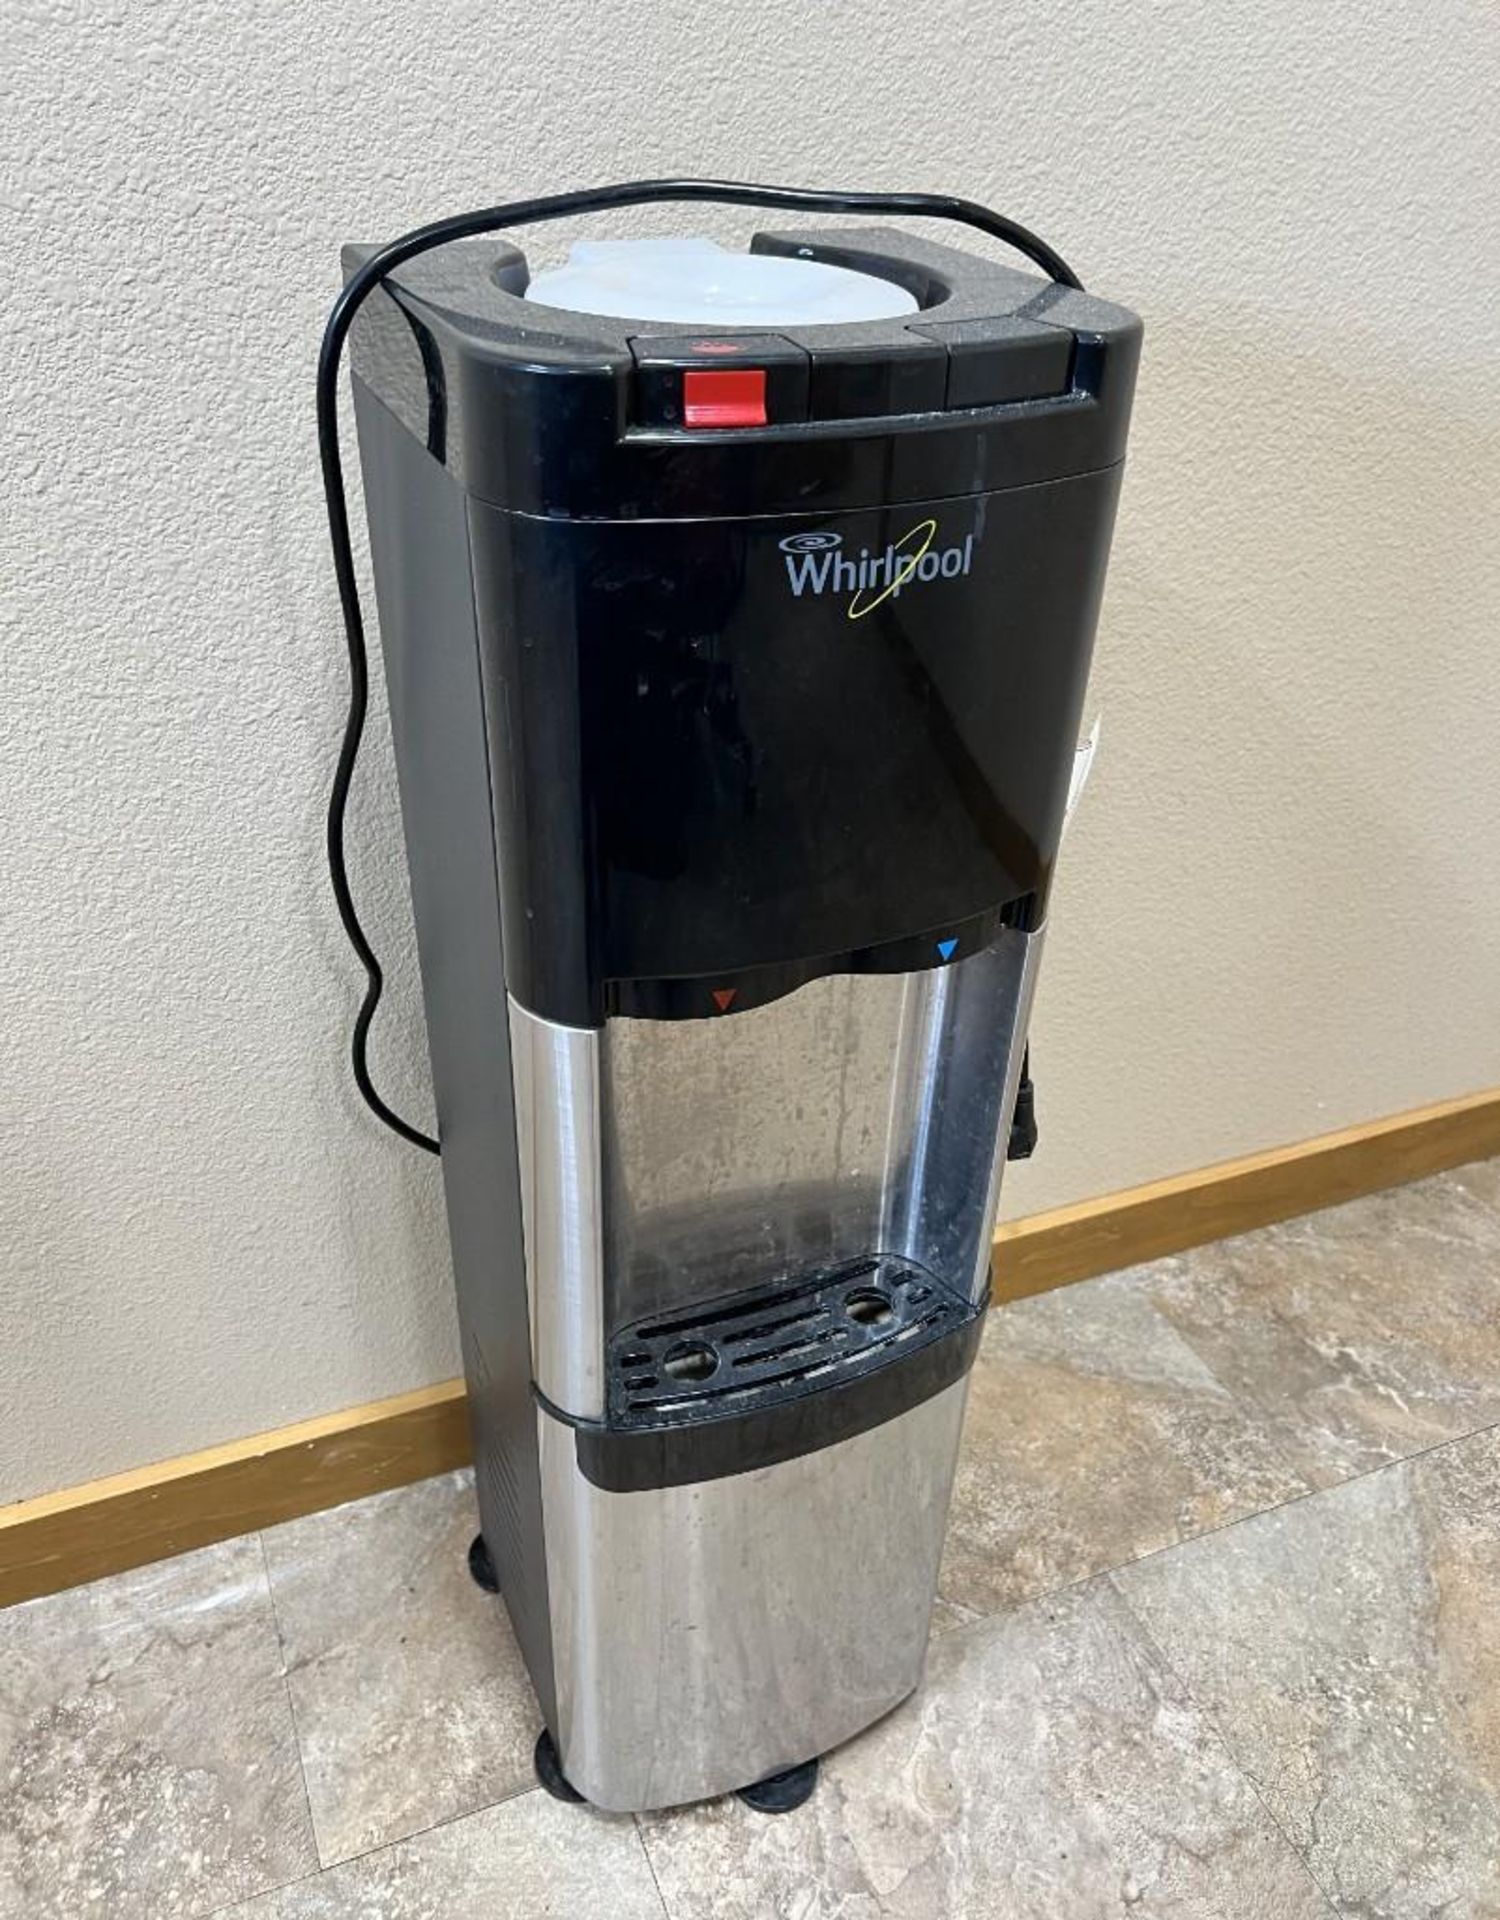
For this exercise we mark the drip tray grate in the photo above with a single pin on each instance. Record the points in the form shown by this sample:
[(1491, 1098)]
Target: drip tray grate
[(729, 1356)]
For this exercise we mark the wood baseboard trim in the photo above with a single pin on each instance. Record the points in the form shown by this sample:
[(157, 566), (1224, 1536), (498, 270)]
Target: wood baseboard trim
[(105, 1526), (1048, 1250)]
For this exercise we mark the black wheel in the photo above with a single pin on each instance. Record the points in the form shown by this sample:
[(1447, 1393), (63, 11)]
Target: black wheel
[(549, 1771), (481, 1566), (781, 1792)]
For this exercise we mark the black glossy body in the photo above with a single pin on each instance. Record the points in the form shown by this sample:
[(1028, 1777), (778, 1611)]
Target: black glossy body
[(715, 781), (764, 703)]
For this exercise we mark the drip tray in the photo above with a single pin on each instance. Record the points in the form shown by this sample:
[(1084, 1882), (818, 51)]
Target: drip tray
[(731, 1355)]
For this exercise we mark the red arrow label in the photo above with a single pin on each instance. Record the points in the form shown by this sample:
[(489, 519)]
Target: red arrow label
[(723, 996)]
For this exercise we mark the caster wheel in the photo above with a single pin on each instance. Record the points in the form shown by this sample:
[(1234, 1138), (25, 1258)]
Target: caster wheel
[(781, 1792), (481, 1566), (549, 1771)]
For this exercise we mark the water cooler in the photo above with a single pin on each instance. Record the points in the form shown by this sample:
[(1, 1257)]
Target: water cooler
[(736, 609)]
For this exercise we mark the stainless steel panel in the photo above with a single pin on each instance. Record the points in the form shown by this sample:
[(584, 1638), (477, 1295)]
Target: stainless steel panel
[(556, 1081), (1015, 1055), (957, 1076), (860, 1114), (664, 1163), (705, 1636)]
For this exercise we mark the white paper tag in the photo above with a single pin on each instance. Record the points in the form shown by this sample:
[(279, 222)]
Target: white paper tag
[(1083, 766)]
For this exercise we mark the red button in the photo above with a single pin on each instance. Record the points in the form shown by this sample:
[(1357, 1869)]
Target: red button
[(724, 397)]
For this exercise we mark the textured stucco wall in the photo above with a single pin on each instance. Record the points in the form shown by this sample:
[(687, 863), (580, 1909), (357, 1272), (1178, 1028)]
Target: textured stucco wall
[(1281, 904)]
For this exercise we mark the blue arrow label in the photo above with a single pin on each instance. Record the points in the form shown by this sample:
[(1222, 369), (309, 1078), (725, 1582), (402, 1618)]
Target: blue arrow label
[(945, 948)]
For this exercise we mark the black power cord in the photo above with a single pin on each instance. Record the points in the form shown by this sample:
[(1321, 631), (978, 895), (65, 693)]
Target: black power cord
[(462, 226), (1023, 1128)]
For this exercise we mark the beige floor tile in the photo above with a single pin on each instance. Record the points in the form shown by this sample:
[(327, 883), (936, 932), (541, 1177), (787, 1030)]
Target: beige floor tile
[(948, 1615), (412, 1703), (1050, 1769), (1480, 1180), (530, 1859), (1362, 1334), (1348, 1649), (148, 1768), (1094, 1434)]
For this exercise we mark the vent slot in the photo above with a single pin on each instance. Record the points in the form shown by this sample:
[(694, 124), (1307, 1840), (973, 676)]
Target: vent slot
[(791, 1349), (707, 1316), (768, 1327)]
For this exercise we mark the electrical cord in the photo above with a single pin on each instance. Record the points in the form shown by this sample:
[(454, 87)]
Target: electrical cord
[(462, 226), (1023, 1127)]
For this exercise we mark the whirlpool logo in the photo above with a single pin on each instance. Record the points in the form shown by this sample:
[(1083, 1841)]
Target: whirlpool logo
[(816, 562)]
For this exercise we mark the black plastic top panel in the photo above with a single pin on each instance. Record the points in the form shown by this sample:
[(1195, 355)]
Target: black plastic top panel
[(734, 754), (1001, 379)]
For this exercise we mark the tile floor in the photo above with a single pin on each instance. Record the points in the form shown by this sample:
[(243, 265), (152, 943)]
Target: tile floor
[(1219, 1635)]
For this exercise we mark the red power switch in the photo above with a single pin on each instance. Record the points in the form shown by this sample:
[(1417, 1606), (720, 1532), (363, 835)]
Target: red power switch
[(724, 397)]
